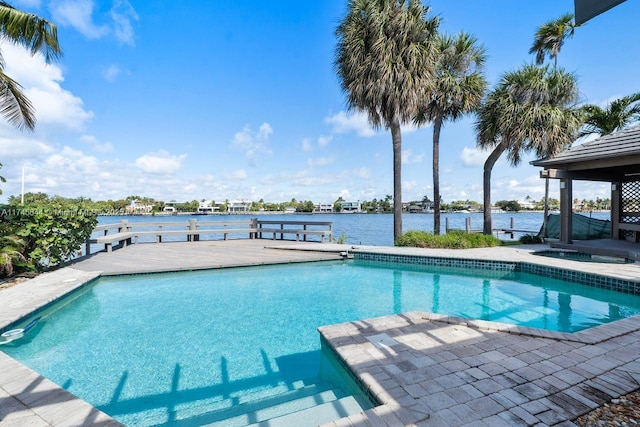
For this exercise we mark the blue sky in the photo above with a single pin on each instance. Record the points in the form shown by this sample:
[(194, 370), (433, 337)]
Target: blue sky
[(239, 100)]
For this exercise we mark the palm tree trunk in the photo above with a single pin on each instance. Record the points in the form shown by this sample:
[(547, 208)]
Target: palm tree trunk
[(396, 137), (487, 227), (437, 125)]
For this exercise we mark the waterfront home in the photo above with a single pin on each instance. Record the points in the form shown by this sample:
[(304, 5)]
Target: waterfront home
[(324, 208), (355, 207)]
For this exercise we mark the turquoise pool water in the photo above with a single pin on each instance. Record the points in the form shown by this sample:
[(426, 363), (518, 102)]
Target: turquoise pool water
[(172, 348)]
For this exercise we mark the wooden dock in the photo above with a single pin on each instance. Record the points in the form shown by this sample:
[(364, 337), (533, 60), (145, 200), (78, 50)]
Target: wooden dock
[(125, 233), (511, 230), (181, 256)]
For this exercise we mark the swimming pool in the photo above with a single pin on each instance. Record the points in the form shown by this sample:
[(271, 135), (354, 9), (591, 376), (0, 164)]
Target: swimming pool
[(183, 348)]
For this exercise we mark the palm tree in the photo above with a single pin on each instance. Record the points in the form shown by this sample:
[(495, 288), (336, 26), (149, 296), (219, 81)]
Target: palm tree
[(459, 88), (531, 109), (551, 36), (38, 36), (617, 115), (548, 40), (384, 58)]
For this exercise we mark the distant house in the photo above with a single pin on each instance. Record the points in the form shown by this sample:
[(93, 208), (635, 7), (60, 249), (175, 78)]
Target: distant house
[(289, 210), (324, 208), (207, 207), (239, 206), (137, 207), (354, 207), (170, 207), (416, 209), (428, 206), (527, 205)]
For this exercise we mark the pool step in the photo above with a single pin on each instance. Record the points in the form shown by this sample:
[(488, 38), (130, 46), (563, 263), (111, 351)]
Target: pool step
[(316, 415), (230, 413), (301, 400)]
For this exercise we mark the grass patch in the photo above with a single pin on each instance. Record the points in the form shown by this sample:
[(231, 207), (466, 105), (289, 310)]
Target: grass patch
[(451, 240)]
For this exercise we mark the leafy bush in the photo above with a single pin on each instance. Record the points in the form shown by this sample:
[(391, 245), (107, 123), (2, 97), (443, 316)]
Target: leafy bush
[(451, 240), (529, 239), (340, 240), (45, 234), (11, 257)]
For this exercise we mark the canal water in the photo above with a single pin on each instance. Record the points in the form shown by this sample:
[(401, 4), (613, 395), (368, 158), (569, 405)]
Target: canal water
[(370, 229)]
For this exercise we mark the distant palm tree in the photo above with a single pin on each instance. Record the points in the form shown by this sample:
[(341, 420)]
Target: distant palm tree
[(385, 60), (459, 87), (531, 109), (617, 115), (551, 36), (38, 36)]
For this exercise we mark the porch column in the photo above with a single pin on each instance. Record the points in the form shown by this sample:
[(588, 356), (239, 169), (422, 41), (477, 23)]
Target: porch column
[(566, 210), (616, 208)]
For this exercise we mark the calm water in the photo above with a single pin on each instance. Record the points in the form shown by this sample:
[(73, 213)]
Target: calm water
[(158, 348), (369, 229)]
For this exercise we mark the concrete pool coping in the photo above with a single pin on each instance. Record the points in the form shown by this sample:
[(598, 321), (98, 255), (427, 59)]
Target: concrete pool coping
[(424, 369)]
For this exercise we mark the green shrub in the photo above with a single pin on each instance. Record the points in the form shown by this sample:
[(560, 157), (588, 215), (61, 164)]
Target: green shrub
[(530, 238), (451, 240), (46, 234), (340, 240)]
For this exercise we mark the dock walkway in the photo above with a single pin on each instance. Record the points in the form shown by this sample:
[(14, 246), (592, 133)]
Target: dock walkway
[(425, 369)]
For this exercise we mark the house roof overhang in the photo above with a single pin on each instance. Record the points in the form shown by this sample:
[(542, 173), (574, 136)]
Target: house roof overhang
[(587, 9), (614, 157)]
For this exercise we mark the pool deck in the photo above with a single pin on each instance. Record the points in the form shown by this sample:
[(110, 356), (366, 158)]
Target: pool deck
[(425, 369)]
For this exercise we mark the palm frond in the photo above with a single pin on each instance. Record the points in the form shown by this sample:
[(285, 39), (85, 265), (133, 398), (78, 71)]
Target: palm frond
[(14, 105), (384, 58), (550, 37), (532, 109), (34, 33), (616, 116)]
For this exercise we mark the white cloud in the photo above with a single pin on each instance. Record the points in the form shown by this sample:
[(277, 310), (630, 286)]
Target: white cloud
[(54, 106), (323, 141), (79, 14), (253, 143), (59, 108), (122, 14), (357, 122), (364, 173), (473, 157), (239, 175), (344, 194), (264, 131), (409, 185), (22, 147), (409, 157), (111, 73), (307, 144), (320, 161), (70, 160), (106, 147), (160, 162)]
